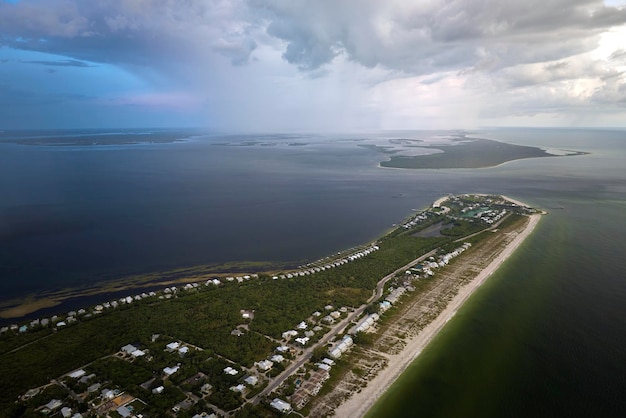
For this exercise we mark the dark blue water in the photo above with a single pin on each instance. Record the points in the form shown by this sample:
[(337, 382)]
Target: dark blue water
[(545, 337), (73, 215)]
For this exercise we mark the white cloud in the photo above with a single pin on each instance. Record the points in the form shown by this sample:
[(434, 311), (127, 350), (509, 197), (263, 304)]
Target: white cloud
[(345, 64)]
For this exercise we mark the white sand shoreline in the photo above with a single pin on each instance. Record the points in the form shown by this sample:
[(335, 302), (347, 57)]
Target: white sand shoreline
[(359, 403)]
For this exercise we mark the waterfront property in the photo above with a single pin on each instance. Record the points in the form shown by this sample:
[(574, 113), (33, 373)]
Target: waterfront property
[(204, 368)]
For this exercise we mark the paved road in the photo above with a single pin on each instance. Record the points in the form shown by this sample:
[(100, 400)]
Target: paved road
[(308, 352)]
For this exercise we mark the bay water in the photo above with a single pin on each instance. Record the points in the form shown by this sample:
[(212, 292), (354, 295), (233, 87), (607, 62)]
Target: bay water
[(545, 336)]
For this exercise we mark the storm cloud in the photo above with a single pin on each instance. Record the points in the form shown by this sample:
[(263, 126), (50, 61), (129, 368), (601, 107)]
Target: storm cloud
[(504, 58)]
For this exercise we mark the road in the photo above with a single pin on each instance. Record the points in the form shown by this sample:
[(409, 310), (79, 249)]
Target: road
[(308, 352)]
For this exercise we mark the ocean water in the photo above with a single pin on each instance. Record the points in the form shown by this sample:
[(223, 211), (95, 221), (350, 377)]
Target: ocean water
[(544, 337)]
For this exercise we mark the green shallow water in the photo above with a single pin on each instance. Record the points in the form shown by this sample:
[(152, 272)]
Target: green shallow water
[(544, 337)]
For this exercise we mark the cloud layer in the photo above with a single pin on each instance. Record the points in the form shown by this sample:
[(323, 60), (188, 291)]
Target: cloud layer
[(346, 64)]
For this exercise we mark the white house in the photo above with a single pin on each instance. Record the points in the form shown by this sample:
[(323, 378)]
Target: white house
[(229, 370), (280, 405), (302, 340), (170, 370), (77, 374), (264, 365), (54, 404), (251, 380), (173, 346), (138, 353)]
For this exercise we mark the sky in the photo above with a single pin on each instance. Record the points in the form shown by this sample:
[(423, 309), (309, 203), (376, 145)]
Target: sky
[(323, 65)]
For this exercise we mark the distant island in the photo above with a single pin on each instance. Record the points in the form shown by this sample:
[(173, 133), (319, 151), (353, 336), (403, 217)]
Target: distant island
[(95, 137), (324, 338), (469, 153)]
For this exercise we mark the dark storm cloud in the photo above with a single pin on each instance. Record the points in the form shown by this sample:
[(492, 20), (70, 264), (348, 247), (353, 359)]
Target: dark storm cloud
[(399, 60), (155, 33), (415, 37)]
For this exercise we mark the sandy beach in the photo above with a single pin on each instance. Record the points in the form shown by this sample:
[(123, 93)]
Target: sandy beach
[(359, 403)]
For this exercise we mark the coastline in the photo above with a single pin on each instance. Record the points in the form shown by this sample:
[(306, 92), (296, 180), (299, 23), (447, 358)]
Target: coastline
[(28, 307), (360, 403)]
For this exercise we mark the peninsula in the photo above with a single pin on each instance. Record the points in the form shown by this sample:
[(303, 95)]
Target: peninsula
[(324, 338)]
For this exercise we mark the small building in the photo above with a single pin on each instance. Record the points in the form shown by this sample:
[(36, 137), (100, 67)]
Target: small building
[(158, 390), (251, 380), (229, 370), (277, 358), (138, 353), (124, 412), (85, 379), (289, 334), (280, 405), (173, 346), (170, 370), (323, 366), (128, 348), (264, 365), (107, 394), (93, 388), (302, 340), (239, 388), (77, 374), (335, 352), (54, 404)]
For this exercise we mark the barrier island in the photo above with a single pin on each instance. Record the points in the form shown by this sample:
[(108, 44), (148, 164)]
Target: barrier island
[(324, 338)]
